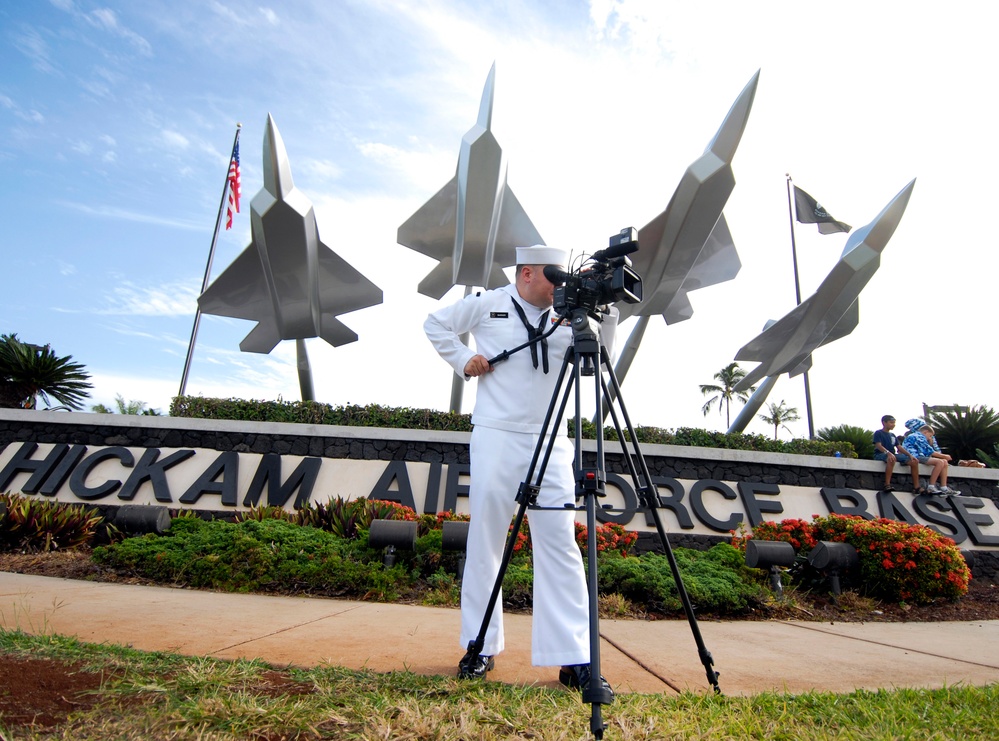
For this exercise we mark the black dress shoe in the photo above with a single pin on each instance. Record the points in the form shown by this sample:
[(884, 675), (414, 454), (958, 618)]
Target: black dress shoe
[(474, 666), (577, 676)]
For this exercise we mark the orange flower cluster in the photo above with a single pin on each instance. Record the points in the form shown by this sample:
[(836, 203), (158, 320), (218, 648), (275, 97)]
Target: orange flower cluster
[(898, 561), (796, 532), (909, 563), (609, 537)]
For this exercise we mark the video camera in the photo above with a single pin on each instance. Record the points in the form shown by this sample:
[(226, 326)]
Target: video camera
[(605, 278)]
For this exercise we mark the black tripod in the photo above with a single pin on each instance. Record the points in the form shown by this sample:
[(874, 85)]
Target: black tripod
[(588, 358)]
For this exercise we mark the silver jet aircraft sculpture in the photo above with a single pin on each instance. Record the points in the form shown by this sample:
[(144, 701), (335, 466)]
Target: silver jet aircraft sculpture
[(473, 224), (833, 311), (287, 280), (689, 246)]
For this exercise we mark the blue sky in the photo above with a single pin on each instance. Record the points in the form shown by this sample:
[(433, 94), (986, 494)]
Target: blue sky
[(117, 120)]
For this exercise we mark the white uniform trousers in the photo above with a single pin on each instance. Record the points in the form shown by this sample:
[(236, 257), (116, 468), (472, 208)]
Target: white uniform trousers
[(560, 628)]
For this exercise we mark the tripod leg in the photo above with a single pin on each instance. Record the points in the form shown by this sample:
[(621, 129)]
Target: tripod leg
[(591, 485), (649, 496)]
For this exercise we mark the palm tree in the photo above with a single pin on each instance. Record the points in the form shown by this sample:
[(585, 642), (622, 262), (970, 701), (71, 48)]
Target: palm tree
[(963, 433), (779, 416), (727, 377), (858, 437), (29, 371), (126, 407)]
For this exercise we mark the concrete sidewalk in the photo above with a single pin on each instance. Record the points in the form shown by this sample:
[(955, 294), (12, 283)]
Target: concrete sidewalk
[(636, 656)]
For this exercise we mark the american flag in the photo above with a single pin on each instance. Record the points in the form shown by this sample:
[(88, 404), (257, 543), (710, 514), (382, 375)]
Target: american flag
[(234, 187)]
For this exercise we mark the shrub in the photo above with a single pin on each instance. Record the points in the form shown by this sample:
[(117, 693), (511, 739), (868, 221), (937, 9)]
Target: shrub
[(860, 439), (267, 553), (42, 525), (609, 537), (315, 413), (799, 533), (271, 512), (715, 580), (256, 555), (518, 584), (901, 562), (898, 562), (963, 435), (374, 415), (347, 518), (444, 589), (990, 459)]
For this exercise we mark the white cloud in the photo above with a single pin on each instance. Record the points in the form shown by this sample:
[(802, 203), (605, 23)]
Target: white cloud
[(143, 217), (30, 43), (177, 299), (31, 116), (319, 170), (106, 19), (270, 16), (227, 13), (175, 140)]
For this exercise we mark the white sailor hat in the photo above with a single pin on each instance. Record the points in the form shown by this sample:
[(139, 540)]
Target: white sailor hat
[(541, 254)]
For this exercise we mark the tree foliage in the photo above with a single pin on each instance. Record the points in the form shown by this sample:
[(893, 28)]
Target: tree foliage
[(962, 435), (724, 391), (29, 371), (134, 406), (780, 415), (862, 440)]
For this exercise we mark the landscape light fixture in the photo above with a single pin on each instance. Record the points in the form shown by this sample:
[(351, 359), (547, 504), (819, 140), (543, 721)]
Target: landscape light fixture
[(772, 555), (392, 535), (454, 537), (142, 519), (834, 558)]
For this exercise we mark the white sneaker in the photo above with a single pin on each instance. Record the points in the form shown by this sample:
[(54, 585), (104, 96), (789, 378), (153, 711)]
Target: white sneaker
[(948, 490), (933, 489)]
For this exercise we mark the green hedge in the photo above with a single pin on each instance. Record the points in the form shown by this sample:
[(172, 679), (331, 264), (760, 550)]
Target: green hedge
[(315, 413), (256, 556), (274, 555), (375, 415)]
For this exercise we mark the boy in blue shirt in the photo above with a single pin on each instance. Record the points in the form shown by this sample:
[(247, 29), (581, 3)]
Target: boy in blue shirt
[(885, 450)]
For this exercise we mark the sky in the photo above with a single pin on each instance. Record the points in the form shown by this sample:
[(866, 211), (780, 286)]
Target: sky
[(118, 118)]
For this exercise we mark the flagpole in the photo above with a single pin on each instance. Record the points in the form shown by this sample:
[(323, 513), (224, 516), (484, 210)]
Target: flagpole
[(208, 267), (797, 298)]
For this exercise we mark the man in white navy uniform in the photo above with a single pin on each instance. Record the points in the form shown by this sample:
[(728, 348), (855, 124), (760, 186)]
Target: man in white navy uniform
[(511, 401)]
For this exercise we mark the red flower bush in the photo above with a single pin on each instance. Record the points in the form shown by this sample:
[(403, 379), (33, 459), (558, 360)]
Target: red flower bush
[(798, 533), (908, 563), (898, 562), (610, 537)]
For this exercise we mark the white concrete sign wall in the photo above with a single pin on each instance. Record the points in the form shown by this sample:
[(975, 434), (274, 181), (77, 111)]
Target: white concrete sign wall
[(202, 479)]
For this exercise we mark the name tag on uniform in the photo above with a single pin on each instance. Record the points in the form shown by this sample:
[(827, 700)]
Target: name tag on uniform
[(499, 315)]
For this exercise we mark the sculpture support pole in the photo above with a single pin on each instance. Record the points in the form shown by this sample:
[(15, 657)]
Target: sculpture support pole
[(304, 372), (624, 362), (458, 384), (797, 300), (208, 267), (753, 405)]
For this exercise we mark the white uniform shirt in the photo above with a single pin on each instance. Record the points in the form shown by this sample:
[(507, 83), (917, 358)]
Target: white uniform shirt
[(515, 396)]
